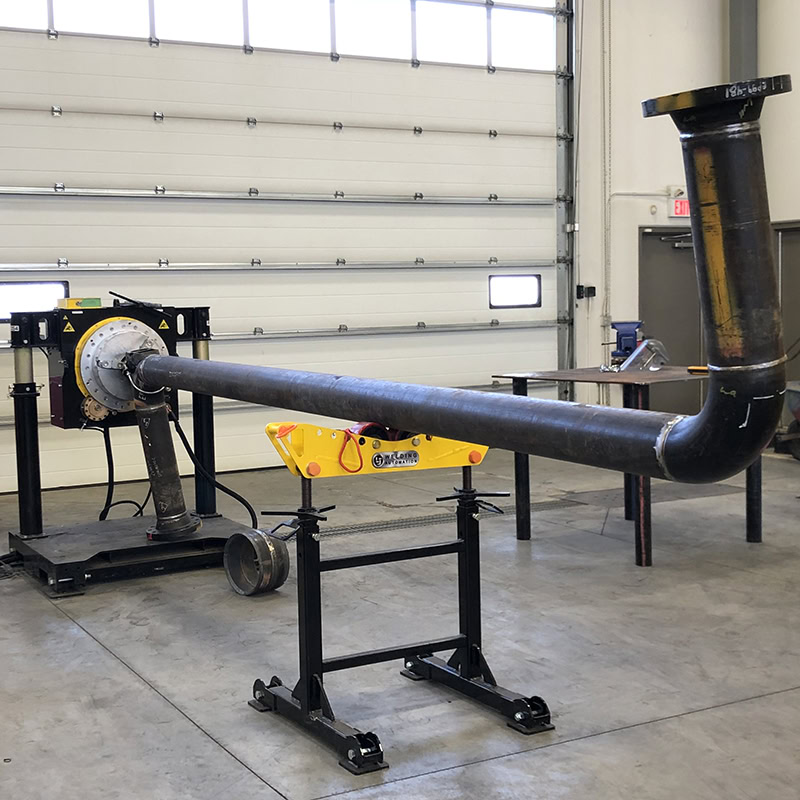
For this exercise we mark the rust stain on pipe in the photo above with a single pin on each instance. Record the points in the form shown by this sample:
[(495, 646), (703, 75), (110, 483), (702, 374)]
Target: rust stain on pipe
[(724, 318)]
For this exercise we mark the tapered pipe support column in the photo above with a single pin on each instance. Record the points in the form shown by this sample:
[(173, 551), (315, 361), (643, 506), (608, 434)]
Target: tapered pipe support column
[(172, 518)]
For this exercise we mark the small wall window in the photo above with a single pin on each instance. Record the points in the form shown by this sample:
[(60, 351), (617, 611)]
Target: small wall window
[(30, 296), (451, 33), (295, 25), (515, 291), (117, 18), (23, 14), (379, 28), (211, 21)]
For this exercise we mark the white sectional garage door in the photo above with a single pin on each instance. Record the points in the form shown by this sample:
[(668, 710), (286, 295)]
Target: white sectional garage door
[(320, 275)]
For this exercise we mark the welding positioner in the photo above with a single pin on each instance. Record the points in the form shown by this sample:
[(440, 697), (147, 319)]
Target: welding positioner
[(89, 387)]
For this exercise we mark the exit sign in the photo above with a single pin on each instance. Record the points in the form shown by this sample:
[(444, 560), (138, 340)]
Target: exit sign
[(679, 207)]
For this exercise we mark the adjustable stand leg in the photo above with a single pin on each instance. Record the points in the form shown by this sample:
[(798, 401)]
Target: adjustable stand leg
[(467, 670), (307, 704)]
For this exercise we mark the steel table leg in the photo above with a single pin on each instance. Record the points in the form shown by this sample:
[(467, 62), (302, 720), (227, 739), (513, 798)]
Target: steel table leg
[(753, 495), (641, 485), (627, 402), (522, 478)]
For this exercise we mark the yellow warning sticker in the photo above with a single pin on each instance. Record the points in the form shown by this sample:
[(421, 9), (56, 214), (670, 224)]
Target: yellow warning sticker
[(163, 326), (68, 327)]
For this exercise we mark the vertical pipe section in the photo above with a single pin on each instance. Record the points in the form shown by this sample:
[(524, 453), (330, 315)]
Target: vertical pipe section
[(734, 253), (522, 476), (172, 518), (205, 494), (753, 502), (26, 432)]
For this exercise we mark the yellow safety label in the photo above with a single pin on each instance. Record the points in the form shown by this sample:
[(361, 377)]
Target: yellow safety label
[(163, 326), (68, 328)]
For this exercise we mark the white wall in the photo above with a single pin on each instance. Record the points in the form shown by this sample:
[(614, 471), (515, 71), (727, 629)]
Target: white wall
[(646, 49), (778, 53)]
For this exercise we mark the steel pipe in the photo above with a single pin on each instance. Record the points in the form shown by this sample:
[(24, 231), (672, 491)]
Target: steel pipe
[(172, 518), (739, 296)]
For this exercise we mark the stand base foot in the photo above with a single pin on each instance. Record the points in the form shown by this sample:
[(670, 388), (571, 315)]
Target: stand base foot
[(526, 715), (359, 752)]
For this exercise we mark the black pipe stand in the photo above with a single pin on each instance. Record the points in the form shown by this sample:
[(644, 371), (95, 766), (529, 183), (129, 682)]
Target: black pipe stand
[(466, 671), (307, 704)]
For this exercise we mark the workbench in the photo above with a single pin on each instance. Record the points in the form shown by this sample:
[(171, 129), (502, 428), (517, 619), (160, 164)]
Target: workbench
[(635, 394)]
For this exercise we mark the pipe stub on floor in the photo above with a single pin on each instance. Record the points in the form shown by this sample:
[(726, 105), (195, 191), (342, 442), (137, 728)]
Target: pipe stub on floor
[(255, 562)]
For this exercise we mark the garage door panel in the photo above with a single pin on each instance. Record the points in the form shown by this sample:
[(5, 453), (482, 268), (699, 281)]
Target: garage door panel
[(81, 229), (118, 144), (124, 75)]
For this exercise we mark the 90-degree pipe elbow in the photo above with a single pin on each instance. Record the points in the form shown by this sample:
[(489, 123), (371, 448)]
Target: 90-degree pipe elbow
[(737, 422)]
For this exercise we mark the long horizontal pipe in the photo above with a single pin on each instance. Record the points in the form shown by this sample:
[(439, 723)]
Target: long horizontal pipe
[(742, 322)]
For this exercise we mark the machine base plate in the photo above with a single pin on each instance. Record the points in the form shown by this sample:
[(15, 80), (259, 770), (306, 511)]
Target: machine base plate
[(66, 559)]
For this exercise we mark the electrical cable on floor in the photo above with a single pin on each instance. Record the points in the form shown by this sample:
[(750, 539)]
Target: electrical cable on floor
[(207, 475)]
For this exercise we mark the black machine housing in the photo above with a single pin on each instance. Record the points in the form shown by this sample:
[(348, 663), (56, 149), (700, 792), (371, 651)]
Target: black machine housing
[(65, 559), (60, 330)]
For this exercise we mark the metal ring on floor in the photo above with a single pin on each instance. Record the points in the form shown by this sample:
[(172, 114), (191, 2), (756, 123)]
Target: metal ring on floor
[(255, 562)]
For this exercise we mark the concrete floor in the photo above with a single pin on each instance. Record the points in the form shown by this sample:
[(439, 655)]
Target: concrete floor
[(679, 681)]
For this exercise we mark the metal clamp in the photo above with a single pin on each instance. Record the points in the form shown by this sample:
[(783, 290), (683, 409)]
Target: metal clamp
[(296, 519)]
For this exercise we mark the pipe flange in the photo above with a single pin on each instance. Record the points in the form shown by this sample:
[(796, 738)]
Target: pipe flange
[(99, 357), (716, 95)]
